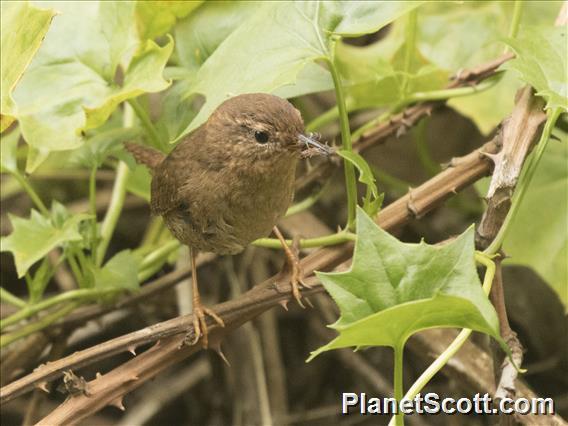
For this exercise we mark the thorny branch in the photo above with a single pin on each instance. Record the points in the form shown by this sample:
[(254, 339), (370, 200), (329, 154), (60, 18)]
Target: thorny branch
[(518, 135)]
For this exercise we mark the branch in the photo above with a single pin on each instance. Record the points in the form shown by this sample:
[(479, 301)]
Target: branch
[(518, 135)]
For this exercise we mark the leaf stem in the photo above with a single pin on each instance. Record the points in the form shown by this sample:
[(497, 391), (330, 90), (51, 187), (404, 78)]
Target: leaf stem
[(421, 145), (114, 210), (456, 344), (306, 203), (515, 22), (71, 295), (31, 193), (398, 381), (146, 123), (410, 47), (8, 297), (525, 181), (327, 240), (93, 211), (47, 320), (350, 182), (156, 258)]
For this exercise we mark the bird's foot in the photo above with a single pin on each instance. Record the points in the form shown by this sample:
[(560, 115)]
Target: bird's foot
[(296, 272), (200, 324)]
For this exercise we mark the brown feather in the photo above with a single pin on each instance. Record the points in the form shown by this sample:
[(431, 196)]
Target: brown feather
[(150, 157)]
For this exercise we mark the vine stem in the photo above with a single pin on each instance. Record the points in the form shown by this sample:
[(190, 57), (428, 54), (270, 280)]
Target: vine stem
[(457, 343), (496, 244), (114, 210), (398, 381), (350, 182), (47, 320), (75, 295), (515, 22), (93, 210), (10, 298), (117, 198), (327, 240), (31, 193), (147, 123)]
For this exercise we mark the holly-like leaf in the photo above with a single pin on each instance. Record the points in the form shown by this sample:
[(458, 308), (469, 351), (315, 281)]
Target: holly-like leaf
[(154, 18), (70, 86), (395, 289), (270, 49), (31, 239), (121, 271), (23, 29), (538, 237), (541, 60)]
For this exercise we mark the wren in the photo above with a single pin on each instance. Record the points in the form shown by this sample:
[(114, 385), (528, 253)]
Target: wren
[(228, 182)]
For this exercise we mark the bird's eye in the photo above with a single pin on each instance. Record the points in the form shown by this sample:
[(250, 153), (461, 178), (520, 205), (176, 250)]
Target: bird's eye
[(261, 137)]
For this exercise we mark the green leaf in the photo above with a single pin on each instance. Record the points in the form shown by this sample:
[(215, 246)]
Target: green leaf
[(373, 199), (250, 61), (121, 271), (198, 35), (154, 18), (541, 60), (538, 237), (9, 148), (144, 74), (395, 289), (23, 29), (70, 85), (31, 239)]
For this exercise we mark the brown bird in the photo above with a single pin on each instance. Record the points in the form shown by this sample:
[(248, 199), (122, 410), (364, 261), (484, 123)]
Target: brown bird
[(228, 182)]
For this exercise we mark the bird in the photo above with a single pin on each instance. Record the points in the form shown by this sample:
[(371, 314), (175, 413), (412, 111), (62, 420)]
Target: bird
[(229, 181)]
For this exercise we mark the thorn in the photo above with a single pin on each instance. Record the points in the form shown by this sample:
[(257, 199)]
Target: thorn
[(132, 350), (410, 205), (453, 190), (42, 386), (308, 302), (118, 404), (157, 344), (493, 157), (217, 349), (98, 375), (133, 378), (284, 304)]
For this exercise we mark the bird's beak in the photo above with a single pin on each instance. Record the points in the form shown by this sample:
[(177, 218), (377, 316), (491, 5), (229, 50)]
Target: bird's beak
[(311, 144)]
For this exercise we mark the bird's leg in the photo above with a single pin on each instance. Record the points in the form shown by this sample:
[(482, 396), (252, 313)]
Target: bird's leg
[(296, 274), (199, 311)]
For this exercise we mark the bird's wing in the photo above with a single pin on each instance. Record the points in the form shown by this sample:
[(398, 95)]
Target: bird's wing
[(174, 172)]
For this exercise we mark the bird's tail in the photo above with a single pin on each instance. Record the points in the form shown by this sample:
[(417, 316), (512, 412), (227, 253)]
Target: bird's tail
[(145, 155)]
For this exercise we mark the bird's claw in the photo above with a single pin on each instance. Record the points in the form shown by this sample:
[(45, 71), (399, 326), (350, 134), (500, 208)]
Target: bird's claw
[(200, 324), (297, 275)]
